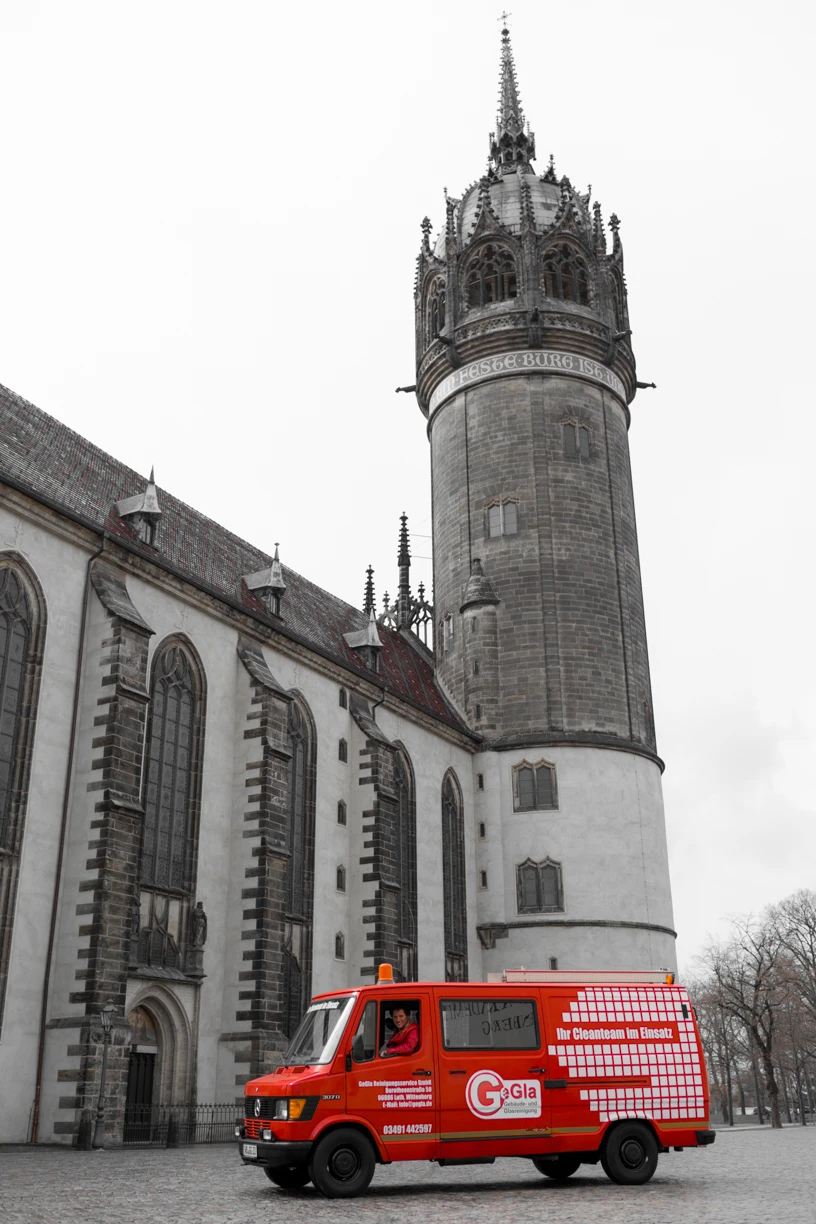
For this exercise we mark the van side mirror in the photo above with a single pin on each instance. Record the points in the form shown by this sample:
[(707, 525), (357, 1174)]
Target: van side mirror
[(348, 1061)]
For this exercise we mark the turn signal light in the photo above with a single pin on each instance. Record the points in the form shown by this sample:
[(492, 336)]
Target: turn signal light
[(385, 975), (296, 1107)]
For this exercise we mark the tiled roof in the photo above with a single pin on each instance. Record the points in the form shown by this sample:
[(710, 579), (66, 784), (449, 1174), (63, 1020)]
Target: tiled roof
[(50, 461)]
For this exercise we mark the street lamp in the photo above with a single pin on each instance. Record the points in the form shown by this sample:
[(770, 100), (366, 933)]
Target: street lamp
[(106, 1016)]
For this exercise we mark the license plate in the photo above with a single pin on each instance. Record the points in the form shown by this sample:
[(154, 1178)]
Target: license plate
[(251, 1151)]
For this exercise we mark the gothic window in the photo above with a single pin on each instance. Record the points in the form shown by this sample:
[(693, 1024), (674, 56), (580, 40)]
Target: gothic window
[(539, 887), (483, 880), (564, 275), (406, 871), (491, 276), (341, 879), (576, 440), (15, 636), (171, 804), (502, 519), (22, 642), (343, 699), (436, 307), (299, 890), (341, 812), (453, 882), (534, 787), (342, 750), (339, 946), (449, 627)]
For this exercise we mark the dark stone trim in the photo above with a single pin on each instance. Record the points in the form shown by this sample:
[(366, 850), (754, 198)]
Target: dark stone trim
[(589, 922), (572, 739), (113, 594)]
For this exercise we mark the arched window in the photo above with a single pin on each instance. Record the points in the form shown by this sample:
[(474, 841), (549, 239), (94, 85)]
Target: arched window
[(299, 894), (343, 699), (453, 881), (539, 887), (502, 519), (339, 946), (342, 750), (22, 643), (171, 806), (406, 869), (436, 307), (534, 787), (341, 879), (342, 812), (564, 275), (491, 276)]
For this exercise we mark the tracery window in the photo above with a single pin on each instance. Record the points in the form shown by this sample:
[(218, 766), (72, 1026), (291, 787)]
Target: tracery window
[(436, 307), (453, 882), (171, 800), (299, 895), (534, 787), (406, 870), (15, 635), (22, 644), (539, 887), (491, 276), (564, 275)]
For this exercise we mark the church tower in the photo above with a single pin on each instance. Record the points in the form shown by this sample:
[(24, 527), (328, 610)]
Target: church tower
[(525, 372)]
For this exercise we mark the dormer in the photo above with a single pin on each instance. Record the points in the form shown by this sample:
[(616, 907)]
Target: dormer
[(268, 585), (142, 512), (366, 643)]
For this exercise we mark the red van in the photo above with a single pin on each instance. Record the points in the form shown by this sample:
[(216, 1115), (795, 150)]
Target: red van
[(562, 1068)]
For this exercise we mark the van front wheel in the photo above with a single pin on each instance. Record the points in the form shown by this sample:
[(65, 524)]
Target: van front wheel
[(288, 1177), (342, 1163), (557, 1166), (630, 1154)]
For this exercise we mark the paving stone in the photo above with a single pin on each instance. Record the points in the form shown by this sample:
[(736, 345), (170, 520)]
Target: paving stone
[(749, 1176)]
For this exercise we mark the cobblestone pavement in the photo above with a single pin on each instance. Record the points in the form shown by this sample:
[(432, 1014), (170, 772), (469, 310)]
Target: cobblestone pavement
[(748, 1176)]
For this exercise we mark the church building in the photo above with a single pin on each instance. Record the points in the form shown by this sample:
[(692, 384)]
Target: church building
[(223, 789)]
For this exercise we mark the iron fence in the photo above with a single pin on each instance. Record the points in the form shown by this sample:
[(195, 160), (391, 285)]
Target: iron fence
[(174, 1125)]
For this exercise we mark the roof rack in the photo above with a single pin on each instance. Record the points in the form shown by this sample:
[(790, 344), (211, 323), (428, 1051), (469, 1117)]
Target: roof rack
[(602, 976)]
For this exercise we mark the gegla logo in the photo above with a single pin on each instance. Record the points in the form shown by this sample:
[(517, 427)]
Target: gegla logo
[(490, 1096)]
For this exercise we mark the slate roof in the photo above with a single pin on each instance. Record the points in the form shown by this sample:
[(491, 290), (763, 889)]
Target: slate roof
[(52, 463)]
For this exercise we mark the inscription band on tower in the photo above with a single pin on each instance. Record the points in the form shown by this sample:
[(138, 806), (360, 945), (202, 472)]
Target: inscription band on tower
[(525, 361)]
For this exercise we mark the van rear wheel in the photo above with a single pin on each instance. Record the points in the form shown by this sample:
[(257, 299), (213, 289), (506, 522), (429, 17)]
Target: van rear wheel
[(630, 1154), (557, 1166), (342, 1163), (289, 1177)]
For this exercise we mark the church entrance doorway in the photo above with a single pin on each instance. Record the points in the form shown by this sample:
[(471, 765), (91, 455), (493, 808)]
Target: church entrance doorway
[(144, 1049)]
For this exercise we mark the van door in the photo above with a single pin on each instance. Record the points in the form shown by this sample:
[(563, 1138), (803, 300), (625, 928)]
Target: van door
[(490, 1065), (392, 1083)]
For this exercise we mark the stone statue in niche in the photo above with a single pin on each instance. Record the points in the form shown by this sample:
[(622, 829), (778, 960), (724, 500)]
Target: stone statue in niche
[(198, 926)]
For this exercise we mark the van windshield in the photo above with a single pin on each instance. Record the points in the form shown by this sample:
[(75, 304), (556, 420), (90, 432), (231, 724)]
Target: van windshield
[(320, 1031)]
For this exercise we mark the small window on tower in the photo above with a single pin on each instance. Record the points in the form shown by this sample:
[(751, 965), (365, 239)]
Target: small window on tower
[(534, 787), (480, 781), (343, 699), (553, 962), (482, 831), (473, 623), (449, 629), (483, 880), (342, 751), (475, 667), (502, 519), (341, 812), (339, 946), (341, 879), (576, 440), (478, 712)]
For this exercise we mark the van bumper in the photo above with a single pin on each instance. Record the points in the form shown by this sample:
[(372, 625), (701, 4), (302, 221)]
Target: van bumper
[(276, 1155), (705, 1137)]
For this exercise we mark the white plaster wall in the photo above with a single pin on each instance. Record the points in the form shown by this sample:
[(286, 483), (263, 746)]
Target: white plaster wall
[(609, 835), (60, 566)]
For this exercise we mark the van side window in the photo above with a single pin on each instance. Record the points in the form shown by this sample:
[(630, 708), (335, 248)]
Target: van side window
[(364, 1041), (399, 1028), (489, 1024)]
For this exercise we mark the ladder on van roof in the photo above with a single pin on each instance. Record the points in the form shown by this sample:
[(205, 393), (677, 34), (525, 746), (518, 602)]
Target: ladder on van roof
[(610, 977)]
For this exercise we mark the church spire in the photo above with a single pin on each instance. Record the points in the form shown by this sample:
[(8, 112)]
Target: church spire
[(404, 563), (511, 147)]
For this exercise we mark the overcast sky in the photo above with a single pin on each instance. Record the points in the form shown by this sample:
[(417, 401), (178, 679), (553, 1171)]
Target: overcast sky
[(209, 219)]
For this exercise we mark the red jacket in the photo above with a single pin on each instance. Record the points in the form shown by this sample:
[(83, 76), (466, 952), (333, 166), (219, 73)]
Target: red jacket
[(404, 1041)]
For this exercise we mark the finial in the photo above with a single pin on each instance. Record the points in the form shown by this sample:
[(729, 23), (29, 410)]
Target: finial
[(614, 223), (512, 146), (404, 557), (152, 475), (369, 602), (598, 235), (549, 175)]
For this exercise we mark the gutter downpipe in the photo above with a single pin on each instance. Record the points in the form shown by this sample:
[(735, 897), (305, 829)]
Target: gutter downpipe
[(69, 769)]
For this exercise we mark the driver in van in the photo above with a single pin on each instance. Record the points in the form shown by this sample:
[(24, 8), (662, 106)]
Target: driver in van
[(405, 1039)]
